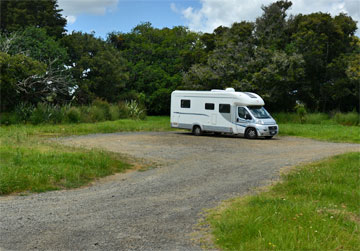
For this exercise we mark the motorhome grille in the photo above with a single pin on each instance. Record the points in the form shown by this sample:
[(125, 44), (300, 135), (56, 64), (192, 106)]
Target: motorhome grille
[(250, 94), (272, 128)]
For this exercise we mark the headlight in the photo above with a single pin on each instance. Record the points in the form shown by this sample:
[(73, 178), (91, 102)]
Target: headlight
[(259, 122)]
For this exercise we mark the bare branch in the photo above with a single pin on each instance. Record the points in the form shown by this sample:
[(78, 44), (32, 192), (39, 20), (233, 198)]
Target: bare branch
[(54, 82)]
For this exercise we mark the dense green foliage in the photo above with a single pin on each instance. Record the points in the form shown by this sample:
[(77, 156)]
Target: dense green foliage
[(312, 60), (315, 207), (33, 69), (157, 59), (305, 58), (98, 68), (99, 110), (13, 70), (18, 14)]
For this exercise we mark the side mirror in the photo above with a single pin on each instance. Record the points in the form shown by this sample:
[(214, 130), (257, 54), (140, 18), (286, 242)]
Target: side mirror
[(248, 116)]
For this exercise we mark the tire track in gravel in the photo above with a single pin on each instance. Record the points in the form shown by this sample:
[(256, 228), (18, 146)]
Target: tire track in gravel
[(156, 209)]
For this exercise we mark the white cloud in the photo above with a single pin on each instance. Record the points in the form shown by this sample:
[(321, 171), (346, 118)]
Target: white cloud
[(214, 13), (334, 7), (70, 19), (72, 8)]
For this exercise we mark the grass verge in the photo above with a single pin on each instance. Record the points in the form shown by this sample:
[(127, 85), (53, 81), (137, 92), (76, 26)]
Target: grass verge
[(315, 207), (39, 169), (151, 123), (334, 133), (29, 163)]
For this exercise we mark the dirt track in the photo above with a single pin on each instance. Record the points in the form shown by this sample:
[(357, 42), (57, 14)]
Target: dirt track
[(156, 209)]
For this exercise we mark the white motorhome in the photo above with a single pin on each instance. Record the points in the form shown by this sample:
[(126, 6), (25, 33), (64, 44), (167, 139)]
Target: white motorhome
[(222, 111)]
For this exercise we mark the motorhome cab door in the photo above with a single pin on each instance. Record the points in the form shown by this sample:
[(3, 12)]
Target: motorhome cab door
[(243, 118)]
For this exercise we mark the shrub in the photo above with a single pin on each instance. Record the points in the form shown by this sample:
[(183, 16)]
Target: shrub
[(135, 110), (40, 114), (73, 115), (96, 114), (104, 105), (47, 113), (123, 110), (7, 118), (85, 114), (316, 118), (114, 112), (301, 112), (58, 114), (284, 117), (23, 111), (350, 118)]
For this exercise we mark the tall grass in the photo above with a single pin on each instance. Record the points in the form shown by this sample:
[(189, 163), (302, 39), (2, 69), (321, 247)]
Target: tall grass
[(314, 208), (99, 111), (348, 119), (151, 123)]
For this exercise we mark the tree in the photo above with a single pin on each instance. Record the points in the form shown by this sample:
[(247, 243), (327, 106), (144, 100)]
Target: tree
[(157, 58), (272, 25), (18, 14), (97, 67), (323, 41), (35, 43), (227, 64), (14, 69), (278, 78)]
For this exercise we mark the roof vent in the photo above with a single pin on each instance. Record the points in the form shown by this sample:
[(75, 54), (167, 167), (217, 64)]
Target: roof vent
[(230, 90)]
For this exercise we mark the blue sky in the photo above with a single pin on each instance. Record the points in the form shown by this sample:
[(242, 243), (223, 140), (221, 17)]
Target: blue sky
[(127, 14), (104, 16)]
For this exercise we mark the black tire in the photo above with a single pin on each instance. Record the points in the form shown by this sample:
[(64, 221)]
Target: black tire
[(251, 133), (197, 131), (268, 137)]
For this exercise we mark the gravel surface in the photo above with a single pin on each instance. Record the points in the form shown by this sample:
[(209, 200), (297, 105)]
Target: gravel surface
[(156, 209)]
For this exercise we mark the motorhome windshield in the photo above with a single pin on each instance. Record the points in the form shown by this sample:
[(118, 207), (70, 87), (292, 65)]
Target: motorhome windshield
[(259, 112)]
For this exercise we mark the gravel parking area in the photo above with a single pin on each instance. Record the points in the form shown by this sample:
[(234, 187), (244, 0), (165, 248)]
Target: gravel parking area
[(156, 209)]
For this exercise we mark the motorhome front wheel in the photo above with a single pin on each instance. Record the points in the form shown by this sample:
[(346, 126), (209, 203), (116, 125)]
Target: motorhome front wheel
[(251, 133)]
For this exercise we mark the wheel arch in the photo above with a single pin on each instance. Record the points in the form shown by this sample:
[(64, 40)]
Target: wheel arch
[(196, 124)]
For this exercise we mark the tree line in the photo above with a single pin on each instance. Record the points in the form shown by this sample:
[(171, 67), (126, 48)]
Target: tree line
[(311, 59)]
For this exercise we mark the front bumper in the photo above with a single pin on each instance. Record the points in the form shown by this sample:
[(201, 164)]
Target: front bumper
[(267, 130)]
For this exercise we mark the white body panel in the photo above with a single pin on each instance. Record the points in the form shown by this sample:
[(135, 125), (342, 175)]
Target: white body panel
[(188, 109)]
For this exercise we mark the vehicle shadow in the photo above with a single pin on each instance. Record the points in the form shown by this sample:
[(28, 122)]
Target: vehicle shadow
[(223, 135)]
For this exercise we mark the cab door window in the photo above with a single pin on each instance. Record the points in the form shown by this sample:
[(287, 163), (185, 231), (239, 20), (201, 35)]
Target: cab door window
[(243, 113)]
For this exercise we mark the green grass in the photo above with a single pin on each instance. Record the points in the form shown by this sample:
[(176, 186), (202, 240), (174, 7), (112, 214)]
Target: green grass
[(316, 207), (41, 169), (29, 162), (151, 123), (334, 133)]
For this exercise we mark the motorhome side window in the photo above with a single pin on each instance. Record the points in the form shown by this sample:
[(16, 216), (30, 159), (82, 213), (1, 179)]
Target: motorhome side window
[(224, 108), (185, 103), (209, 106)]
